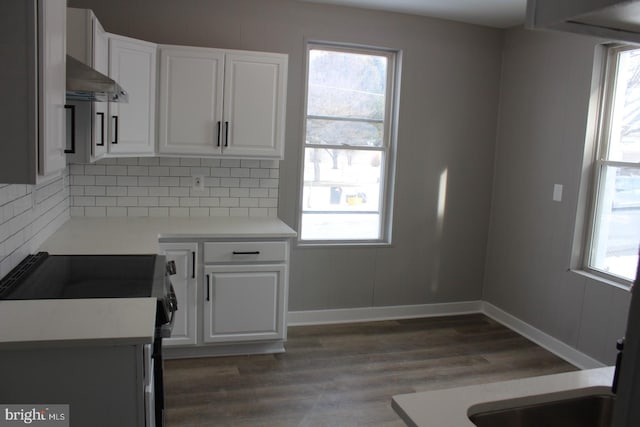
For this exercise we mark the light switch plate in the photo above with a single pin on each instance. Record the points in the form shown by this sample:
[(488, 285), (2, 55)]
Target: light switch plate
[(557, 192)]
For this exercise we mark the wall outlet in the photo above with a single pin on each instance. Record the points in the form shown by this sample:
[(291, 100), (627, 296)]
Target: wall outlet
[(198, 183)]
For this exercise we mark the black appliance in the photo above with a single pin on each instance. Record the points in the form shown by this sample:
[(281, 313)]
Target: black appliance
[(44, 276)]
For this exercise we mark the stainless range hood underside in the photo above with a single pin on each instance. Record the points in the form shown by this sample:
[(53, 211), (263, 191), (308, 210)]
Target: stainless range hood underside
[(86, 84)]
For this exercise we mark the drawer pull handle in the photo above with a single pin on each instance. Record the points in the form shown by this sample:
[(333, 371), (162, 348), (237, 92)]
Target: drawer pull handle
[(193, 259), (246, 252)]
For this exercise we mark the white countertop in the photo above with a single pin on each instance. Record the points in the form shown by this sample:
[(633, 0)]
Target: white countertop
[(128, 235), (451, 407), (65, 322)]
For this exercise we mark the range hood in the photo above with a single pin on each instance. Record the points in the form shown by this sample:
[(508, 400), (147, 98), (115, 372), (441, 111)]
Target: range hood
[(611, 19), (86, 84)]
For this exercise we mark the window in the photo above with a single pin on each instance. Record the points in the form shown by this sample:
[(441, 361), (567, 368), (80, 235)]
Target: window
[(615, 224), (348, 147)]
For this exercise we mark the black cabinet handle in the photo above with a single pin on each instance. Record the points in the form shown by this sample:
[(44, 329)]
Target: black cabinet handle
[(246, 252), (226, 134), (193, 259), (115, 130), (208, 288), (73, 129), (101, 114), (219, 132)]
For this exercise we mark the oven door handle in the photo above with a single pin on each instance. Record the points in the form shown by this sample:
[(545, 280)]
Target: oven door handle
[(166, 329)]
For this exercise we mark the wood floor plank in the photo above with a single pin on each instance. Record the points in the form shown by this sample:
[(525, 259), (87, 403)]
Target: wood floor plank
[(345, 374)]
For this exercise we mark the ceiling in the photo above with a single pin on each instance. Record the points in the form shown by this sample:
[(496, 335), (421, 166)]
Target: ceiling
[(491, 13)]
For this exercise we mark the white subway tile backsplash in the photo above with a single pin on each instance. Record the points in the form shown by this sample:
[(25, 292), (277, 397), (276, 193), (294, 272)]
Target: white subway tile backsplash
[(199, 212), (148, 161), (94, 169), (178, 211), (163, 186), (116, 211), (240, 172), (138, 191), (127, 181), (170, 181), (169, 161), (116, 170), (95, 211), (105, 201), (158, 170), (138, 170), (219, 211), (179, 191), (159, 212), (158, 191), (117, 191), (168, 201), (106, 180), (230, 163), (180, 171), (250, 163), (189, 161), (239, 192), (127, 201), (129, 161), (28, 216), (137, 211)]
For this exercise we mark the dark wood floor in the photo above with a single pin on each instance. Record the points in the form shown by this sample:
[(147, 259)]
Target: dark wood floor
[(345, 375)]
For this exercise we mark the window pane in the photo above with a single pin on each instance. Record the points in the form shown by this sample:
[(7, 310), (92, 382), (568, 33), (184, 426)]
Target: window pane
[(344, 132), (624, 142), (342, 193), (336, 226), (617, 233), (346, 85)]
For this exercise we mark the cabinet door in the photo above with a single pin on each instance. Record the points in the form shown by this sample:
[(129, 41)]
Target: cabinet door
[(190, 100), (99, 109), (244, 303), (52, 17), (132, 63), (184, 283), (254, 104)]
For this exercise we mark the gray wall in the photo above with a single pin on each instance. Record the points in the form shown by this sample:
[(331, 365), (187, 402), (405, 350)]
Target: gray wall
[(448, 110), (546, 90)]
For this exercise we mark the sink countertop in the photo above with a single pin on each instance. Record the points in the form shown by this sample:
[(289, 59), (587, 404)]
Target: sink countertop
[(72, 322), (450, 407), (129, 235)]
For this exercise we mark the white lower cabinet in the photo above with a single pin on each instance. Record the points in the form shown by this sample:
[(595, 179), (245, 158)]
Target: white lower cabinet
[(184, 282), (232, 299), (244, 303)]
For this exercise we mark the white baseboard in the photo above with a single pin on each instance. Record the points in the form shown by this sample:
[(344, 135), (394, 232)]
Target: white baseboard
[(543, 339), (367, 314)]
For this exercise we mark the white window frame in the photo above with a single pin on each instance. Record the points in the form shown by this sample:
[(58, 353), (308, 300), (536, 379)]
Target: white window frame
[(389, 143), (601, 162)]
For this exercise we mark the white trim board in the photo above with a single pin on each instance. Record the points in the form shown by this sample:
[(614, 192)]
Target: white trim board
[(367, 314), (544, 340)]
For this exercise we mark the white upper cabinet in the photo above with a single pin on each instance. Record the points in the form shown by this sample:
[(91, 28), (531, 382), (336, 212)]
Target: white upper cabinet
[(33, 87), (116, 129), (254, 104), (52, 87), (218, 102), (132, 63), (88, 42), (191, 82)]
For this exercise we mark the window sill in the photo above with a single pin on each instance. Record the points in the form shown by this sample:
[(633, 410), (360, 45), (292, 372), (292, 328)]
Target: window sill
[(603, 280), (330, 244)]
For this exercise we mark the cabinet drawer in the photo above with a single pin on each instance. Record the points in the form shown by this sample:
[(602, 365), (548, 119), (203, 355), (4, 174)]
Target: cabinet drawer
[(244, 251)]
